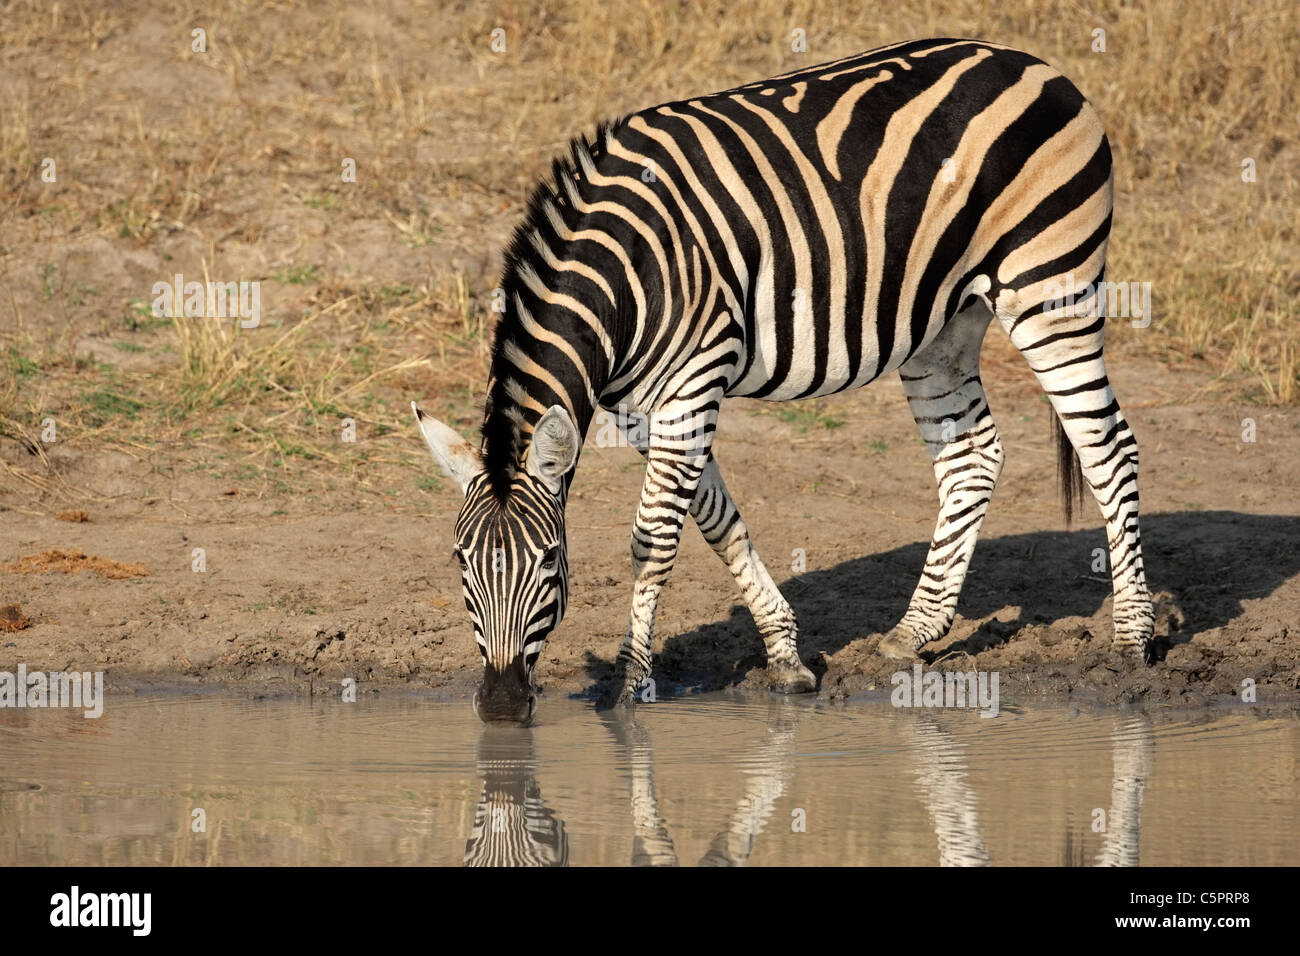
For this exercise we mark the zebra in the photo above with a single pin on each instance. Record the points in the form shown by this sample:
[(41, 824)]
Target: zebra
[(788, 239)]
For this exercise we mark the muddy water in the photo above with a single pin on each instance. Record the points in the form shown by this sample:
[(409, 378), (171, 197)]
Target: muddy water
[(718, 780)]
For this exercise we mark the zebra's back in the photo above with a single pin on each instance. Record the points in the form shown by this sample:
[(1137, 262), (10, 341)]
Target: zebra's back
[(848, 210)]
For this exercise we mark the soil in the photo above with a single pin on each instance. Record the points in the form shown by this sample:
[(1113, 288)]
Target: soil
[(245, 548), (294, 595)]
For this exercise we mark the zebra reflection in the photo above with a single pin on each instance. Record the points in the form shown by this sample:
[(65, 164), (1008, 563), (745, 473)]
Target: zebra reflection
[(941, 771), (651, 843), (941, 775), (766, 778), (512, 825), (1131, 747)]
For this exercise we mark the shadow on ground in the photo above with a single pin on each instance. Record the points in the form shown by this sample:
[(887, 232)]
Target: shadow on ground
[(1034, 606)]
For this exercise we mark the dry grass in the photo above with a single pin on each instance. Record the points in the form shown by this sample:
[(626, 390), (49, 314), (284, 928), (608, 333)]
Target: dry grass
[(71, 562), (12, 618), (227, 164)]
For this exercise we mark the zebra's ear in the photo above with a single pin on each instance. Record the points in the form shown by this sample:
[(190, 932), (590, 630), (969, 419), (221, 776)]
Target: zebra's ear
[(457, 457), (554, 448)]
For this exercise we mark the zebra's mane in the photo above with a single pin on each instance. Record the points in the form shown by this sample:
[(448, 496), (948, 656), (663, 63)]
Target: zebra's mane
[(552, 200), (557, 191)]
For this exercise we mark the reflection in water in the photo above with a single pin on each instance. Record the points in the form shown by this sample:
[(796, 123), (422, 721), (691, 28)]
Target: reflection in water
[(1131, 745), (651, 844), (941, 772), (717, 780), (512, 826), (765, 781), (764, 784)]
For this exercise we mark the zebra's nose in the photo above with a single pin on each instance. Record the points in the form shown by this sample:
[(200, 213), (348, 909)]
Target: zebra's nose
[(505, 695), (492, 710)]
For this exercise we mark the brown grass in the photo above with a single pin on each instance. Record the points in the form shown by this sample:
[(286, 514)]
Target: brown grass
[(227, 164), (70, 562), (12, 618)]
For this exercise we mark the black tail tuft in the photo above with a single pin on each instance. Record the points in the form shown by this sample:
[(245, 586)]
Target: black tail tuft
[(1068, 471)]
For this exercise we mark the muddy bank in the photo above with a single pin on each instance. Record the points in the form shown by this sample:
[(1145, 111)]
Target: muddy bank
[(1073, 660), (1027, 614), (1039, 662)]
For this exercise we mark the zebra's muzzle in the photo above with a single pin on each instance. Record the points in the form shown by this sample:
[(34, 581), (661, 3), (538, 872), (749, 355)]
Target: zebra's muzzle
[(506, 695)]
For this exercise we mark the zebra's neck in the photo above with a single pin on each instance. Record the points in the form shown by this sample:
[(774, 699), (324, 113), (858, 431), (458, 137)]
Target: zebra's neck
[(585, 293), (551, 347)]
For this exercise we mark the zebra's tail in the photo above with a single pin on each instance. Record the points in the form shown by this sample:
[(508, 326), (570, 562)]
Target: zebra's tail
[(1068, 471)]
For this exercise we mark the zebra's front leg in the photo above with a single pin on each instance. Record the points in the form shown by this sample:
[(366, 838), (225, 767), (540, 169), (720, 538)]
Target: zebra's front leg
[(671, 479), (724, 529)]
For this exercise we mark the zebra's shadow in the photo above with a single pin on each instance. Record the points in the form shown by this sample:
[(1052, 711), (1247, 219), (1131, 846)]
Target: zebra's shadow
[(1210, 561)]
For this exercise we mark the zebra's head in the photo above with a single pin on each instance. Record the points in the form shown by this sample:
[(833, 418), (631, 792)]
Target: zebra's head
[(510, 544)]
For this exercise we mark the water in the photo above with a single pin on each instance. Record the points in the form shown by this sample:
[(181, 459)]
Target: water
[(717, 779)]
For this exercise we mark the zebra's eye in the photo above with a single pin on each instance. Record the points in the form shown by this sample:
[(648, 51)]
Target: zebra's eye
[(460, 559), (550, 558)]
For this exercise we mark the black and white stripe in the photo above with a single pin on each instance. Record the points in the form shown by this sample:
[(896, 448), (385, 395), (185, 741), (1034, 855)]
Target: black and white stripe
[(513, 826), (793, 238)]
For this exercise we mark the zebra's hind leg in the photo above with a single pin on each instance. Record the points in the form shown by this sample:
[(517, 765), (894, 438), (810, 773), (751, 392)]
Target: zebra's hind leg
[(1064, 348), (723, 528), (947, 400)]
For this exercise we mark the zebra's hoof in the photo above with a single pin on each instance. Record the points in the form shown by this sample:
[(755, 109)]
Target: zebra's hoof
[(897, 646), (619, 693), (789, 679), (1137, 653), (617, 701)]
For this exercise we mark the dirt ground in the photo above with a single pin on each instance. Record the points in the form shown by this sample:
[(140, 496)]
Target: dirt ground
[(323, 559), (298, 601)]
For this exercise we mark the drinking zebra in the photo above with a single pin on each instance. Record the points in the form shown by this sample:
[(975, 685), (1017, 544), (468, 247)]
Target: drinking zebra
[(787, 239)]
